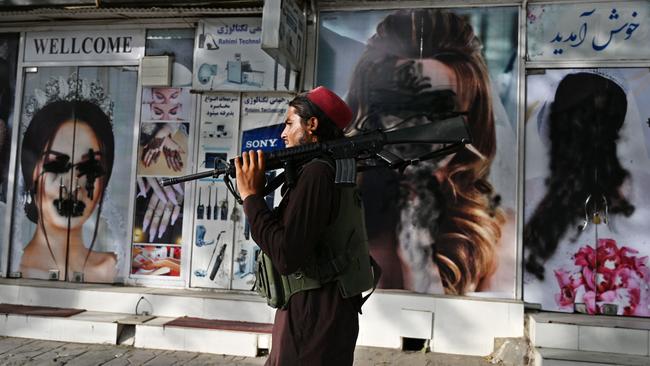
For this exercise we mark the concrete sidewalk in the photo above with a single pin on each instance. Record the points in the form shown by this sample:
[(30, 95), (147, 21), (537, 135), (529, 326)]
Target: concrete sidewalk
[(23, 351)]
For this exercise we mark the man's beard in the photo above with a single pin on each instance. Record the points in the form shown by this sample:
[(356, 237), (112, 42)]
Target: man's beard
[(303, 139)]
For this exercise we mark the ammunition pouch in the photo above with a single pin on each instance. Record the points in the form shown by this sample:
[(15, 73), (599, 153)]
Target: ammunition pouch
[(276, 288)]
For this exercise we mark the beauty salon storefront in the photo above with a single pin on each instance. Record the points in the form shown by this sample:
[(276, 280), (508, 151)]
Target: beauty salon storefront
[(102, 110)]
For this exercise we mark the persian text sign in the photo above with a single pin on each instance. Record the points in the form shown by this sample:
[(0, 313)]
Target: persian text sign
[(596, 31), (86, 45)]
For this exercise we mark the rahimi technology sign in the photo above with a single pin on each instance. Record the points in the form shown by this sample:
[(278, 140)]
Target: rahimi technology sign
[(85, 45)]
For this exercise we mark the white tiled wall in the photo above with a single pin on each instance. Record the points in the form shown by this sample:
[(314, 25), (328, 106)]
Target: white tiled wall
[(552, 335), (454, 325), (58, 329), (153, 335), (460, 325), (602, 339)]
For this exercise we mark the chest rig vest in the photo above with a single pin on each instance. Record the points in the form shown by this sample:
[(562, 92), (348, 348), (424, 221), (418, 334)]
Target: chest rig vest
[(341, 255)]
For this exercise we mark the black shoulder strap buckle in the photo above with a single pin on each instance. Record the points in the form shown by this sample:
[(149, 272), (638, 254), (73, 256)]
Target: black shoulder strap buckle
[(376, 274)]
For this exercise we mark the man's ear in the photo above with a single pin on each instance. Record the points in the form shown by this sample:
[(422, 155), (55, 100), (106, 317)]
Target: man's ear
[(312, 124)]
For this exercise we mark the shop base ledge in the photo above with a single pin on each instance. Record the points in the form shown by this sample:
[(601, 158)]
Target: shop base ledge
[(155, 334), (85, 327), (563, 357), (167, 302), (624, 336)]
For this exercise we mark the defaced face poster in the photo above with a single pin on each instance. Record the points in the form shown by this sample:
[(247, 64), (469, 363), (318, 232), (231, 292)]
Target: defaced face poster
[(445, 226), (71, 209), (586, 246)]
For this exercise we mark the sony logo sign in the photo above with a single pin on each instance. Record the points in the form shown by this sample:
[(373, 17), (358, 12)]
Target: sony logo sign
[(253, 144)]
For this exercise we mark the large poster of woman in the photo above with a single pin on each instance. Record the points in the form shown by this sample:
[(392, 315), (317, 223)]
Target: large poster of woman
[(586, 246), (71, 206), (443, 226)]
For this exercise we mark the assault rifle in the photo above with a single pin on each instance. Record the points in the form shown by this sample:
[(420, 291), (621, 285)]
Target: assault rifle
[(351, 154)]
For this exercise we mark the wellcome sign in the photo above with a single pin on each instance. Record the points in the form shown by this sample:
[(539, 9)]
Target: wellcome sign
[(84, 45)]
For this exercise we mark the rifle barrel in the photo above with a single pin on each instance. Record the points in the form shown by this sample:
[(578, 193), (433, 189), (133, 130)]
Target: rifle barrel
[(443, 131), (185, 178)]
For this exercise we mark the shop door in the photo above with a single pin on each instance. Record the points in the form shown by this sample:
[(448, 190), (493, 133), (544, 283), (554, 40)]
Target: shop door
[(71, 206)]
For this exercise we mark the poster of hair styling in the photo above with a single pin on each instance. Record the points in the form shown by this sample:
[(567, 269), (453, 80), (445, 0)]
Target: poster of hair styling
[(445, 226), (586, 208)]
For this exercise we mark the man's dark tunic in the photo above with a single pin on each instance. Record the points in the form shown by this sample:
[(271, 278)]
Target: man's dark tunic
[(319, 327)]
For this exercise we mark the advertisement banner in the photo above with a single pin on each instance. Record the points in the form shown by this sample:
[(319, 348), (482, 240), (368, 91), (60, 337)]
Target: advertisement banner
[(214, 207), (71, 203), (284, 25), (444, 226), (228, 56), (262, 123), (86, 45), (588, 31), (163, 152), (586, 246), (165, 148)]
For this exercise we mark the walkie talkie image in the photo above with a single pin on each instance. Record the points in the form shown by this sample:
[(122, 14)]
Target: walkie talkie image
[(219, 259), (224, 210), (216, 205), (217, 262), (208, 212), (200, 209)]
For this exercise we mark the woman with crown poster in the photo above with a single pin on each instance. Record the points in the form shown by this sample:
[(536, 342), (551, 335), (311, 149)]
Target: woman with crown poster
[(70, 128)]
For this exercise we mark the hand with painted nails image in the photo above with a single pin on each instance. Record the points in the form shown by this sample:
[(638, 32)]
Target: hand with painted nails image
[(158, 212), (66, 160), (163, 141)]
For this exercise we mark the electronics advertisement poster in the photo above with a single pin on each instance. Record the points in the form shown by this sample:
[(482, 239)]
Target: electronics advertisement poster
[(229, 56), (71, 205), (585, 235), (214, 207), (8, 60), (262, 123), (445, 226)]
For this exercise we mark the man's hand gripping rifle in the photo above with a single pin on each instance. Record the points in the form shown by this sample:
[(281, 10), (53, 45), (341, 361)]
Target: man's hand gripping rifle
[(352, 154)]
